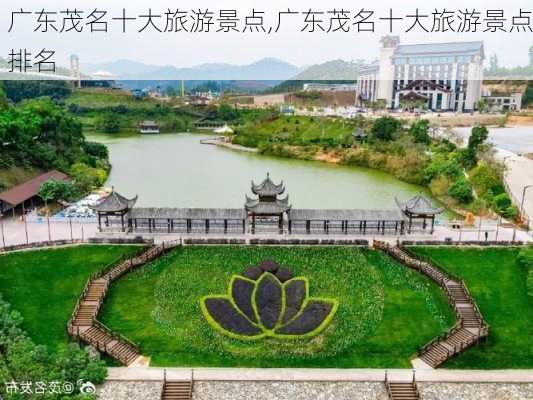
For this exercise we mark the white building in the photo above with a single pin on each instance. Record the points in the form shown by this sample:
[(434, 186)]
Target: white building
[(448, 76), (503, 102)]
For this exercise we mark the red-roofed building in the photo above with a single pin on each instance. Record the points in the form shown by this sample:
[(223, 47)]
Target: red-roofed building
[(27, 191)]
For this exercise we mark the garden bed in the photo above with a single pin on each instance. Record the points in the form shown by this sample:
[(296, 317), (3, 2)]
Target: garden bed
[(385, 311)]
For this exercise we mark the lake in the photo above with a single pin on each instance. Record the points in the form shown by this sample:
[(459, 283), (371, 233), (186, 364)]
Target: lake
[(175, 170)]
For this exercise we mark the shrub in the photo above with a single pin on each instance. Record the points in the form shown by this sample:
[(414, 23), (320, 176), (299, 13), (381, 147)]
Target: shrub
[(419, 131), (385, 128), (21, 360), (461, 191)]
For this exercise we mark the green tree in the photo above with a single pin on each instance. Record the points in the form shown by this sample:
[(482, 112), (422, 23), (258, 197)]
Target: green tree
[(87, 178), (481, 105), (3, 98), (110, 123), (461, 191), (57, 190), (478, 136), (385, 128), (419, 131)]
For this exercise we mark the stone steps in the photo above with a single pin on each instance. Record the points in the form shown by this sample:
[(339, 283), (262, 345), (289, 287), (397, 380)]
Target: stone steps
[(177, 390)]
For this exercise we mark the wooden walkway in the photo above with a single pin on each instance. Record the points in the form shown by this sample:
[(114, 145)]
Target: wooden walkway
[(470, 327), (84, 325)]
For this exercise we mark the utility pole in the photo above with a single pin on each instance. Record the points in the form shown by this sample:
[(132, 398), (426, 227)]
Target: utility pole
[(522, 203)]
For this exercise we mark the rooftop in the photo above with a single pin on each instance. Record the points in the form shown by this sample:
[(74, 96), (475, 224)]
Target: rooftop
[(114, 202), (345, 215), (268, 188), (428, 49), (278, 206), (29, 189), (419, 205), (189, 213)]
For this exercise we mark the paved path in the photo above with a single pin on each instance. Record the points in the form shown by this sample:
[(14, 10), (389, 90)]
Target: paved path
[(14, 231), (323, 375), (519, 174)]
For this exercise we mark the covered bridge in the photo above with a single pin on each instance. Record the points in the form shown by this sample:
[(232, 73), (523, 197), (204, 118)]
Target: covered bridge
[(187, 220), (346, 221)]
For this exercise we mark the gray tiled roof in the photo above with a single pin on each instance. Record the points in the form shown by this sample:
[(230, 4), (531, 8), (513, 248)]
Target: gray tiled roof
[(114, 202), (268, 188), (429, 49), (188, 213), (345, 215), (257, 206), (419, 205)]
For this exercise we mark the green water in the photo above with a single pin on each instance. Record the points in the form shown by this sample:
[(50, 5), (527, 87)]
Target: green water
[(175, 170)]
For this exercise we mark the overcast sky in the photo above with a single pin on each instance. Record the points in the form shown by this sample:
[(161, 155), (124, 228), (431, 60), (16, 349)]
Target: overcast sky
[(298, 48)]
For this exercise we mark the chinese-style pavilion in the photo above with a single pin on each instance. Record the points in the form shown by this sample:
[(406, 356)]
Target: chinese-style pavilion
[(268, 203), (112, 207), (419, 208)]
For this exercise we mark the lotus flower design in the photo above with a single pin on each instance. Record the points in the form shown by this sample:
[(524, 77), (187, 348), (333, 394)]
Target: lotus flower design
[(268, 302)]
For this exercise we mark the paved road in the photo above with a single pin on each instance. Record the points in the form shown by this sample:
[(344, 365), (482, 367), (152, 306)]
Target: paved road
[(322, 375), (518, 175), (14, 231)]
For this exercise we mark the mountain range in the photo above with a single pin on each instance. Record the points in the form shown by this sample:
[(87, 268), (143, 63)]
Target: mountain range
[(265, 69)]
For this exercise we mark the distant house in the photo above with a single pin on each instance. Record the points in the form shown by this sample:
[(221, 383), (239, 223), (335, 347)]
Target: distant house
[(503, 101), (286, 109), (359, 135), (26, 195), (149, 127)]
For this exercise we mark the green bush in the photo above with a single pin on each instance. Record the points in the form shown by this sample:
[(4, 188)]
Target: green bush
[(419, 131), (385, 128), (461, 191), (21, 360)]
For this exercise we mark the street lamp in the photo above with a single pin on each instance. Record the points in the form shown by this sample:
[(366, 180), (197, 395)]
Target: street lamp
[(523, 200)]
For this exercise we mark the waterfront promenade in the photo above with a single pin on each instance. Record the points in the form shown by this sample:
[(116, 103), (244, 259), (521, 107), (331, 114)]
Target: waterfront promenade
[(14, 233)]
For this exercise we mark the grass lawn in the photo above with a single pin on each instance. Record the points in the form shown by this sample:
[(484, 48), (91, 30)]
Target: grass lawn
[(499, 286), (297, 130), (386, 311), (44, 285)]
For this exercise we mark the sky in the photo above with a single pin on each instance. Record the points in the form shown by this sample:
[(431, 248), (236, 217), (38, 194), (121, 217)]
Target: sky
[(290, 45)]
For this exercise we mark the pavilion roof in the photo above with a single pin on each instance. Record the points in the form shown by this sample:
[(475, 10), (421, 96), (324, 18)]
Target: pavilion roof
[(114, 202), (259, 207), (419, 205), (268, 188)]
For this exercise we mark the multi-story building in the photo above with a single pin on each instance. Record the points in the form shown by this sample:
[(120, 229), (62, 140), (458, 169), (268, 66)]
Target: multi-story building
[(445, 76)]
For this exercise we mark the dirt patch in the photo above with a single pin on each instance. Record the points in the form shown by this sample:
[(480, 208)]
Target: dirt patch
[(520, 120), (329, 157)]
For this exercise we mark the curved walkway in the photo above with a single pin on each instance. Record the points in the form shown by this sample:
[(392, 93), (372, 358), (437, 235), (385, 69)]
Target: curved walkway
[(470, 327), (83, 324)]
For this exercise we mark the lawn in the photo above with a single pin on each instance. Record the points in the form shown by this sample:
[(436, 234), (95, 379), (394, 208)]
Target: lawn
[(44, 285), (499, 286), (297, 130), (386, 311)]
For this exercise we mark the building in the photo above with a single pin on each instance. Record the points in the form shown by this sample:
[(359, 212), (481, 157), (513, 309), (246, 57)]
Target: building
[(444, 76), (268, 204), (149, 127), (26, 195), (503, 102), (329, 87)]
